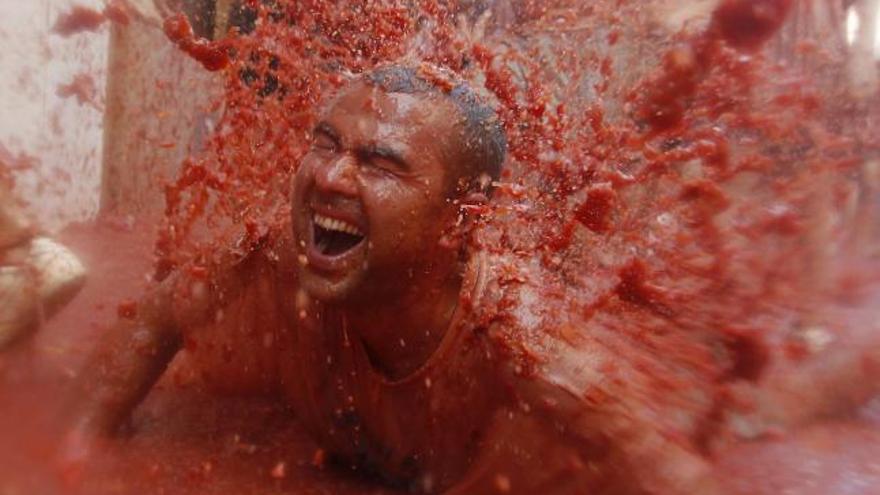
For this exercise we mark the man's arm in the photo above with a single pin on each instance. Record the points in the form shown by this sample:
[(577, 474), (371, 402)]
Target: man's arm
[(127, 362), (562, 435), (649, 425), (594, 403), (132, 356), (558, 445), (612, 443)]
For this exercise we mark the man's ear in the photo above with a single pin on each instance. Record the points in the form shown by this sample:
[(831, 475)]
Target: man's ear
[(470, 207)]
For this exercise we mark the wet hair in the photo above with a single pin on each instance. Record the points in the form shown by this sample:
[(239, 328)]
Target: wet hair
[(484, 136)]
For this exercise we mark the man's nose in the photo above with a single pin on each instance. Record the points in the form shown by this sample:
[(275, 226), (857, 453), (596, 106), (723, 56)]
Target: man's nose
[(338, 176)]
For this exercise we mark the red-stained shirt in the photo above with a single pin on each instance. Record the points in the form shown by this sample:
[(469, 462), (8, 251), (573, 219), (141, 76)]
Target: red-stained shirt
[(425, 428)]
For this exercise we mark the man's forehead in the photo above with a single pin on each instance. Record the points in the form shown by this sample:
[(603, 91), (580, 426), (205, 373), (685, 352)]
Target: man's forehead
[(362, 100)]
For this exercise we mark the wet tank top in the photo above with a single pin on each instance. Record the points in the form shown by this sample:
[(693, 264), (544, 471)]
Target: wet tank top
[(422, 431)]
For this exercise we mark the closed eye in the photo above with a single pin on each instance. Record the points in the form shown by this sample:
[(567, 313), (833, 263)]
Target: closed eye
[(386, 160), (384, 164)]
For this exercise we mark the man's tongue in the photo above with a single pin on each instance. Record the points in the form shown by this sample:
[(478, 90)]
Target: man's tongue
[(334, 242)]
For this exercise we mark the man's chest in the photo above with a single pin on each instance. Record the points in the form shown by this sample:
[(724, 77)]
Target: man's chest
[(422, 429)]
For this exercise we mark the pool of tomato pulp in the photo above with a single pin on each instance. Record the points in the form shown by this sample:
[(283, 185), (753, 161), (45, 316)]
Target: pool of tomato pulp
[(700, 202)]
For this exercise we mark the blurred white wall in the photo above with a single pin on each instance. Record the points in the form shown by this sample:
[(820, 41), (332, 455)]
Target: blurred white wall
[(63, 134)]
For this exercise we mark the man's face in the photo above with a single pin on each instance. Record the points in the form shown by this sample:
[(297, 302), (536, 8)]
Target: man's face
[(370, 198)]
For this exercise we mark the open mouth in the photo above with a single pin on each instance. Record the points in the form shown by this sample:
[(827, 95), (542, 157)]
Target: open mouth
[(334, 237)]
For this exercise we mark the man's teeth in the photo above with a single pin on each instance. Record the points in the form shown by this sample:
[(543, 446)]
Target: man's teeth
[(328, 223)]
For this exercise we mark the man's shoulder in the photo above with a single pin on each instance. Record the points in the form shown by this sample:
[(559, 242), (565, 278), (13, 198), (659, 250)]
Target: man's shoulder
[(270, 254)]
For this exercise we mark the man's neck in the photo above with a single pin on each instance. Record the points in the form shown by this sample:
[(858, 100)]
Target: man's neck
[(401, 335)]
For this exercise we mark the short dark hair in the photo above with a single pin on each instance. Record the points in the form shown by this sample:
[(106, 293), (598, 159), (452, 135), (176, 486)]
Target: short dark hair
[(484, 135)]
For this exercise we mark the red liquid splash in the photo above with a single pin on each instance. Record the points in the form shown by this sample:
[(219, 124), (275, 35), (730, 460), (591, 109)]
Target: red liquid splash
[(682, 211), (748, 24), (118, 12), (83, 88), (212, 56), (79, 19), (667, 213)]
